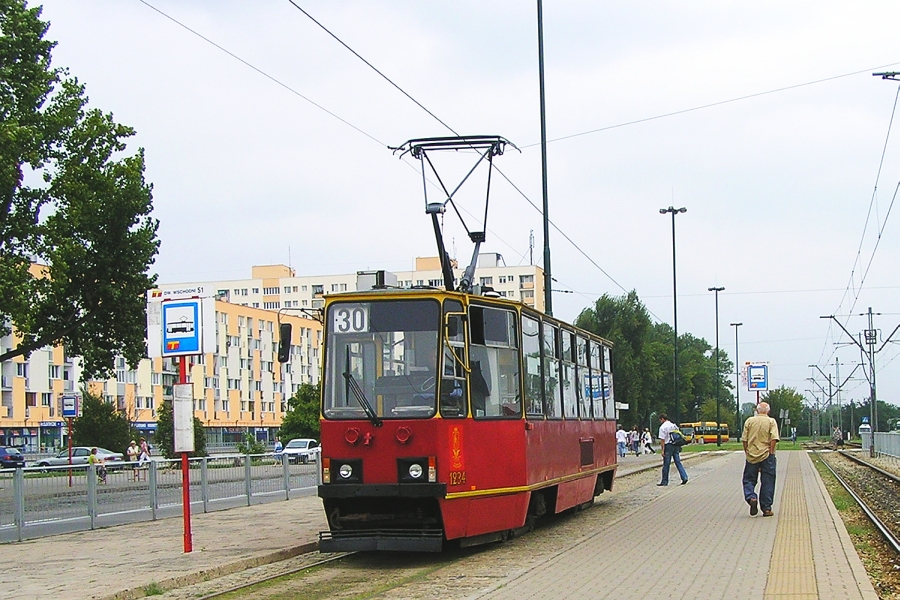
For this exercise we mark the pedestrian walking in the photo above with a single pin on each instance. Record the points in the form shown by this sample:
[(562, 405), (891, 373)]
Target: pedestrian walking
[(133, 453), (837, 438), (634, 440), (647, 442), (279, 448), (144, 458), (759, 438), (97, 462), (621, 441), (670, 451)]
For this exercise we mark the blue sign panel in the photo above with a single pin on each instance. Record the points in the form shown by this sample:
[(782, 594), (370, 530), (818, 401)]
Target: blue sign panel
[(181, 327), (758, 377), (69, 407)]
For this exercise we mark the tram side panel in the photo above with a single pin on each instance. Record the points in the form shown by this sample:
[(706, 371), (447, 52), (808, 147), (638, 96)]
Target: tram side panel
[(568, 455)]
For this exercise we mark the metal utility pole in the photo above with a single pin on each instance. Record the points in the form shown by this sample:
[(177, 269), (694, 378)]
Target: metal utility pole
[(870, 336), (718, 399), (737, 380), (674, 211), (837, 379), (548, 295)]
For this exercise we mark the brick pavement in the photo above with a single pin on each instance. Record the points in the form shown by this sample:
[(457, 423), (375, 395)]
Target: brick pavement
[(727, 552)]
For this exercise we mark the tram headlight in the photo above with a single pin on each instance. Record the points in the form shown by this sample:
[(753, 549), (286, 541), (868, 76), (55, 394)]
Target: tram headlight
[(346, 471), (415, 471)]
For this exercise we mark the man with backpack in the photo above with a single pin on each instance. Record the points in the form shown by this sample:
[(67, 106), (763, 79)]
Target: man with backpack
[(760, 437), (669, 434)]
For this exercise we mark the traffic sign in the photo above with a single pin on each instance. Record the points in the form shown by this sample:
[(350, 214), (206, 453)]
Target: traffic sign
[(180, 322), (70, 406), (757, 377)]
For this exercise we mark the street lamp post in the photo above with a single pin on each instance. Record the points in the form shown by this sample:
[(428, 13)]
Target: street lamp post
[(737, 379), (674, 211), (718, 416)]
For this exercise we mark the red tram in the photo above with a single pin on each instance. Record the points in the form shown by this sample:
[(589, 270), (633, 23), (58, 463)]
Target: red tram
[(450, 416)]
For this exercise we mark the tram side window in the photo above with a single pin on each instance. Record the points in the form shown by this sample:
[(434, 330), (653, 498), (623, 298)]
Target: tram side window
[(582, 378), (552, 372), (453, 373), (608, 385), (531, 357), (568, 383), (494, 363), (596, 381)]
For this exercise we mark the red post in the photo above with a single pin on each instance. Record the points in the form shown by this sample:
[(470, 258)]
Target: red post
[(185, 473), (70, 450)]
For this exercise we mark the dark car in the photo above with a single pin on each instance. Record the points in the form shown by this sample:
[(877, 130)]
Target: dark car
[(11, 458)]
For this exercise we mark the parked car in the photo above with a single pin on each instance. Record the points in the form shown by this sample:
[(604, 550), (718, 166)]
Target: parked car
[(80, 457), (11, 458), (301, 450)]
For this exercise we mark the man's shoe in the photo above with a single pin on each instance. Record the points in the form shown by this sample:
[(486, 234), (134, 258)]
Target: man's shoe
[(768, 513), (661, 484), (754, 506), (684, 481)]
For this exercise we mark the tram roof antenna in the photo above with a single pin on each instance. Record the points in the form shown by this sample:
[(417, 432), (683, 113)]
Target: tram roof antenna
[(487, 147)]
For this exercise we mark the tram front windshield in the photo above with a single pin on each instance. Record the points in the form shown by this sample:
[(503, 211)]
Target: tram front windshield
[(381, 359)]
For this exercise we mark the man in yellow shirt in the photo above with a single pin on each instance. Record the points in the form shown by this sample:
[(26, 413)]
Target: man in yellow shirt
[(759, 438)]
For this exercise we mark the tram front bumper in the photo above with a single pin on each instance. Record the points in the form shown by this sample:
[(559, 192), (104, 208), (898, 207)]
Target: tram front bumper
[(381, 540), (383, 490)]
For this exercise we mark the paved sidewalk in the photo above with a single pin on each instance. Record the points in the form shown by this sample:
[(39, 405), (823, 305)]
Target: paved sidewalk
[(106, 562), (726, 553)]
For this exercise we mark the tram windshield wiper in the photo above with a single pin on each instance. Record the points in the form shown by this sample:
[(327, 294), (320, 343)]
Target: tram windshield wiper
[(359, 394)]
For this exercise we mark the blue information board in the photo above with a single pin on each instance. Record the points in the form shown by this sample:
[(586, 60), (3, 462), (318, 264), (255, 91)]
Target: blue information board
[(181, 327)]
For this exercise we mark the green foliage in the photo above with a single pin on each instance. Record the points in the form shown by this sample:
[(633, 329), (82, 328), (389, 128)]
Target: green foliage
[(643, 365), (302, 417), (101, 425), (785, 398), (251, 445), (164, 439), (86, 217)]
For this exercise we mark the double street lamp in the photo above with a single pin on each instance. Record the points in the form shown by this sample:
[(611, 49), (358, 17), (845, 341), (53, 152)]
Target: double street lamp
[(674, 211), (718, 416)]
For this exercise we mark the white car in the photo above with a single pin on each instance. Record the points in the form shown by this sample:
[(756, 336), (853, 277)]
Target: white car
[(302, 450)]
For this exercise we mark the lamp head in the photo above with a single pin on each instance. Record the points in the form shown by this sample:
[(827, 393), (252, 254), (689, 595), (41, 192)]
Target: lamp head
[(736, 324), (663, 211), (682, 210)]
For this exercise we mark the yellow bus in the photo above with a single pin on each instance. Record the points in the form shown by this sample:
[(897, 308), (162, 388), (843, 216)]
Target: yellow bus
[(703, 432)]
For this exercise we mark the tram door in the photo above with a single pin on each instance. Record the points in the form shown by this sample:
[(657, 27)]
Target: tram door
[(454, 358)]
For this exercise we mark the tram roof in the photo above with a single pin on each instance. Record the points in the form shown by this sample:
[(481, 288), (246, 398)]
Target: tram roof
[(425, 291)]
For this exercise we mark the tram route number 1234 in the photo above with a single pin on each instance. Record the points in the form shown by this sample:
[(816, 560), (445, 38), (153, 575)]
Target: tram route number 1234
[(351, 319), (457, 477)]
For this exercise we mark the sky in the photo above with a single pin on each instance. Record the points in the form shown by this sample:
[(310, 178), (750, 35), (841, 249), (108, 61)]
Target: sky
[(267, 141)]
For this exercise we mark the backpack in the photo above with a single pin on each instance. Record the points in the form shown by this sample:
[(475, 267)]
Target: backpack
[(677, 438)]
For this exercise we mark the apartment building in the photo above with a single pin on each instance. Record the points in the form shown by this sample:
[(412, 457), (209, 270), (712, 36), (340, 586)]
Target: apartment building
[(274, 287), (240, 388)]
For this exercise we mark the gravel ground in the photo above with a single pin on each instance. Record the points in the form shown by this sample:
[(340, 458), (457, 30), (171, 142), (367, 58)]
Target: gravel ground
[(882, 495)]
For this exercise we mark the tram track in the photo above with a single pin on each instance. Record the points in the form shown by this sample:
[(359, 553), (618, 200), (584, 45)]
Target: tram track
[(889, 527)]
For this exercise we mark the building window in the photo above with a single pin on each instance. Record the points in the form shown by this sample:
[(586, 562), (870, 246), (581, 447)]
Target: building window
[(54, 372), (244, 292), (435, 282), (256, 305), (255, 290), (271, 291), (302, 288), (502, 279), (523, 279), (46, 398), (487, 281), (295, 289)]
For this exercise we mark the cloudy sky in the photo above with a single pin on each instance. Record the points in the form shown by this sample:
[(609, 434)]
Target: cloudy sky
[(266, 142)]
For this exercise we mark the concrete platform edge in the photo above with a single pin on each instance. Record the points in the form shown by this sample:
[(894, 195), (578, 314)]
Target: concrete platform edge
[(216, 572)]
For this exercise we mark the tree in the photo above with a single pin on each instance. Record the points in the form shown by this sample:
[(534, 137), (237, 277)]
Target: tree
[(101, 425), (785, 398), (165, 433), (71, 204), (302, 417)]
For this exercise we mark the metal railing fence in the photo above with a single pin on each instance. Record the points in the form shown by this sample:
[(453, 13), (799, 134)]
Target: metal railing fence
[(39, 501), (887, 444)]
